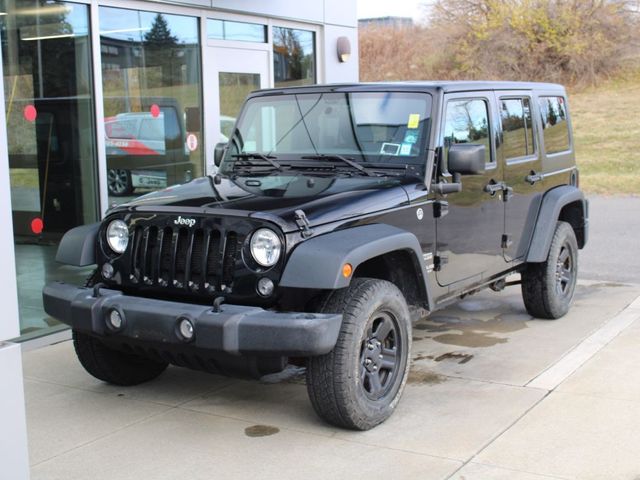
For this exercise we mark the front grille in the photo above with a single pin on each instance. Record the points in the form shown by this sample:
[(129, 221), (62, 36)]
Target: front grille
[(193, 259)]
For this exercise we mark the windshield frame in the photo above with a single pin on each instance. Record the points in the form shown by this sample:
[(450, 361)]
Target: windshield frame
[(421, 159)]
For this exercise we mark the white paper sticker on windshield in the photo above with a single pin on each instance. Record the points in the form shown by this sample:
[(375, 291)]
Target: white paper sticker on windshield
[(405, 149), (390, 149)]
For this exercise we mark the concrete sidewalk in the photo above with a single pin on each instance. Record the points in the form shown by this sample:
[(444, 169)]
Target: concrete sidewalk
[(493, 394)]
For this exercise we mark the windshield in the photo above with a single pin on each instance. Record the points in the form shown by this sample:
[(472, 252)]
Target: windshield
[(371, 128)]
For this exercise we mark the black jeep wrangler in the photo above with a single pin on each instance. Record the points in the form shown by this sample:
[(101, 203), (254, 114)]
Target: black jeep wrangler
[(339, 215)]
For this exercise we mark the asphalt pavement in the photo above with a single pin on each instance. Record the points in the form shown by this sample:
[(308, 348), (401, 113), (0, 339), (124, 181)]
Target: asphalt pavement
[(613, 250)]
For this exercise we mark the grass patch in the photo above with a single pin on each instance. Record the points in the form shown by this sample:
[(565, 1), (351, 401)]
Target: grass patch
[(606, 126)]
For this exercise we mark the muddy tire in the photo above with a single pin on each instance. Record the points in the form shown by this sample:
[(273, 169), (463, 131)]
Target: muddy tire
[(359, 383), (548, 287), (113, 366)]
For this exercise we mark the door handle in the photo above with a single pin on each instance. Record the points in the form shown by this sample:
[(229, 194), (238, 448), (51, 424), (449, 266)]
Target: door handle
[(533, 177), (493, 187)]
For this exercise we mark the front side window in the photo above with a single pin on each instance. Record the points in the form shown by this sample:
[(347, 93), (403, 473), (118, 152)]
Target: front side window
[(517, 130), (294, 53), (554, 124), (386, 127), (467, 121)]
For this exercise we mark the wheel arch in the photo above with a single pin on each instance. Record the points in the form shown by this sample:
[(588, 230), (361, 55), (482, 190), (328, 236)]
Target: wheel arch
[(565, 203), (376, 251)]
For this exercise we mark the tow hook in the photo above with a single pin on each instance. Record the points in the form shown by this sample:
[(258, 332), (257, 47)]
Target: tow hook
[(217, 305)]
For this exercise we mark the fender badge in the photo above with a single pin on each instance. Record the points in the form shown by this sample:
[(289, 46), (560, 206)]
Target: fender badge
[(419, 214)]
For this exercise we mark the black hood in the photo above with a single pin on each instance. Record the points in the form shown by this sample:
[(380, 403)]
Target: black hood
[(323, 199)]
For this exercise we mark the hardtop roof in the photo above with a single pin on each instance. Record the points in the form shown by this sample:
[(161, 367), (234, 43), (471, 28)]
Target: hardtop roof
[(414, 86)]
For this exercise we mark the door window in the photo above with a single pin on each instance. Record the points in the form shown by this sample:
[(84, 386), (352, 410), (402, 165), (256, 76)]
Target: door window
[(517, 130), (234, 88), (467, 121), (554, 124)]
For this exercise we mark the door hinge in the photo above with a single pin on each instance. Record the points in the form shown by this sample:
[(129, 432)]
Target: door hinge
[(440, 208), (303, 223), (439, 261), (506, 240)]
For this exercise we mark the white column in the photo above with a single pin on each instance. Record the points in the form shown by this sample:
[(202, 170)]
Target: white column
[(14, 460)]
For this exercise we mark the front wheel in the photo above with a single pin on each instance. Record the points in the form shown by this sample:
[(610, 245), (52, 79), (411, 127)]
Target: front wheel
[(359, 383), (114, 366), (548, 287), (119, 182)]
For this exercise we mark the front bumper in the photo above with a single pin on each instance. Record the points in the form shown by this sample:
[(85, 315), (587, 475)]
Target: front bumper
[(236, 330)]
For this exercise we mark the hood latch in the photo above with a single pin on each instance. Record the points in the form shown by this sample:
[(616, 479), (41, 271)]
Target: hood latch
[(303, 223)]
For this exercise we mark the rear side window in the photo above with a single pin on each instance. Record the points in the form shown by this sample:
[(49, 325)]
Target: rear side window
[(467, 121), (517, 130), (554, 124)]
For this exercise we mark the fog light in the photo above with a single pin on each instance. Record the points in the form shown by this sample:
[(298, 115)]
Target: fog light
[(185, 327), (107, 271), (265, 286), (114, 319)]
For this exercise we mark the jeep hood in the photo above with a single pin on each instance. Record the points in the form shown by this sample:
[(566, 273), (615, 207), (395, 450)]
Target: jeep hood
[(323, 199)]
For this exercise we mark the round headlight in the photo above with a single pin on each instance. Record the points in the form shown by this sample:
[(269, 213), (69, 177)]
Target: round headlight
[(265, 247), (118, 236)]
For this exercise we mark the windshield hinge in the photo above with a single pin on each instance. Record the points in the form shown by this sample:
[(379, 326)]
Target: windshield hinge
[(303, 223)]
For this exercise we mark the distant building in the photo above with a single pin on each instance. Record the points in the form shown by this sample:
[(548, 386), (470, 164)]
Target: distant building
[(386, 22)]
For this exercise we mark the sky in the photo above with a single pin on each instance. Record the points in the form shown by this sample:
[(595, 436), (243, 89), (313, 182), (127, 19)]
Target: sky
[(392, 8)]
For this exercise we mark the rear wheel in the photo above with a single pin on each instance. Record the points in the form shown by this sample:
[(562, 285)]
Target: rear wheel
[(548, 287), (359, 383), (114, 366)]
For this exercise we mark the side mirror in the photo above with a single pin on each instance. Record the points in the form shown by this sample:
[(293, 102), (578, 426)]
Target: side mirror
[(218, 153), (466, 159)]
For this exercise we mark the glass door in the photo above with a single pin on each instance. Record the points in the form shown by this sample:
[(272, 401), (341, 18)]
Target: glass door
[(237, 72)]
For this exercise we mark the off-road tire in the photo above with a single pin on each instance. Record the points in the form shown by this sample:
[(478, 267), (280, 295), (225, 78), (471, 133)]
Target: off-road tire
[(546, 295), (113, 366), (336, 382)]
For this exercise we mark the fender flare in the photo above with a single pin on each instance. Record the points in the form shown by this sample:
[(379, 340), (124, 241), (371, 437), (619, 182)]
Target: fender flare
[(548, 215), (317, 263), (78, 246)]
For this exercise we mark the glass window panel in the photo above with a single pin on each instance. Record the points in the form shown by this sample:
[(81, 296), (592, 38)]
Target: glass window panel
[(531, 144), (234, 88), (151, 75), (554, 124), (467, 121), (389, 127), (46, 56), (293, 57), (238, 31), (514, 140)]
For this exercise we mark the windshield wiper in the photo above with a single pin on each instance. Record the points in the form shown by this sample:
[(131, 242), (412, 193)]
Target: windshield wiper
[(257, 156), (346, 160)]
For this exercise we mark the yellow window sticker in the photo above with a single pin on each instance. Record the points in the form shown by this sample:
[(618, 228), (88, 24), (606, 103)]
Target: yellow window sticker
[(414, 120)]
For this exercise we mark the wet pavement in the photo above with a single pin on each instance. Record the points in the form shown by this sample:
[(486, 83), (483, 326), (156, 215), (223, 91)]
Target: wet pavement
[(470, 410)]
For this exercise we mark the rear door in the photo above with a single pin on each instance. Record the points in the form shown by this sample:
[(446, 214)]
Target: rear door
[(468, 237), (519, 152)]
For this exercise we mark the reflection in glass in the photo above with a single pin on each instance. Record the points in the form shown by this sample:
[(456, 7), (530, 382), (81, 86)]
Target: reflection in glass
[(234, 88), (237, 31), (293, 57), (151, 76), (467, 121), (46, 58), (376, 127)]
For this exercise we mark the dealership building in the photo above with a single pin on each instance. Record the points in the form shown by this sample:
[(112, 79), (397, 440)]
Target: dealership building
[(105, 100)]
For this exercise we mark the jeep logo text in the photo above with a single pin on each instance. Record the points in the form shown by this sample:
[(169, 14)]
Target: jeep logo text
[(189, 222)]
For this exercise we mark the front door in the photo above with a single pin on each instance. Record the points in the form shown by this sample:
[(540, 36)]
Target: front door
[(469, 236), (522, 162), (237, 73)]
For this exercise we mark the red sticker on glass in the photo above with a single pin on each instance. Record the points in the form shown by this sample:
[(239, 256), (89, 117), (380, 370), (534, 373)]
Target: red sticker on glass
[(30, 113), (155, 111), (192, 142), (37, 225)]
